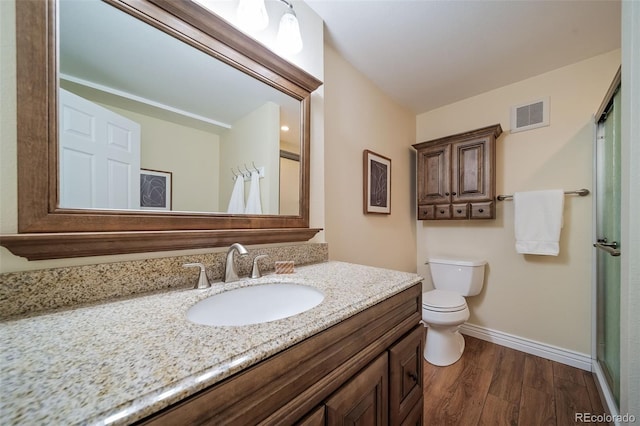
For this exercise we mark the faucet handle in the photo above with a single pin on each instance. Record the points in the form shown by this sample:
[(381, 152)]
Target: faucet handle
[(255, 271), (203, 281)]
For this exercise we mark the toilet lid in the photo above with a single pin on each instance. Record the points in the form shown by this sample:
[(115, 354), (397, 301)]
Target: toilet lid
[(443, 301)]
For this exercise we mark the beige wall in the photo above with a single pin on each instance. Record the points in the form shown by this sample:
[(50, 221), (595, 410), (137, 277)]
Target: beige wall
[(359, 116), (191, 155), (310, 59), (546, 299), (253, 139)]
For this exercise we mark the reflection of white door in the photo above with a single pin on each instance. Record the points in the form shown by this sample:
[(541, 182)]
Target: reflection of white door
[(99, 156)]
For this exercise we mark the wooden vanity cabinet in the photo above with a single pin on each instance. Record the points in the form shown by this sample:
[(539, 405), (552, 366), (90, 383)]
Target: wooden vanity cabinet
[(364, 399), (367, 369), (456, 175)]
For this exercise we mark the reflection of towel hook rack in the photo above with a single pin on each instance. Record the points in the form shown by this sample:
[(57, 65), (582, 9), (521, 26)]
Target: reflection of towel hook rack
[(241, 172), (246, 173)]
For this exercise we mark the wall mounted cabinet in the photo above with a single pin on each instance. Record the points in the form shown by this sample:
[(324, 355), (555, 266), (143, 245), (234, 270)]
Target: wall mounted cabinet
[(456, 175)]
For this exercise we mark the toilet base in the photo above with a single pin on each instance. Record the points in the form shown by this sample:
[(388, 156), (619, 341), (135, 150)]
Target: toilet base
[(443, 345)]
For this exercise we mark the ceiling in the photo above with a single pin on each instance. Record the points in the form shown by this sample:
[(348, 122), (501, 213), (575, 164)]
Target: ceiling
[(428, 53)]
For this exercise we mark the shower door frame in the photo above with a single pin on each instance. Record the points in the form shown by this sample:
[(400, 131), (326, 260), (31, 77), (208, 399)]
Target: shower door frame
[(601, 379)]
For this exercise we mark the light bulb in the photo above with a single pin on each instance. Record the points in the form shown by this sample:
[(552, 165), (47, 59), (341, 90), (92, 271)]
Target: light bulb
[(252, 15), (289, 39)]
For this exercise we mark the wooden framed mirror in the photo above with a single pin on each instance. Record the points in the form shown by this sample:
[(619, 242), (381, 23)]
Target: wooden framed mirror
[(48, 231)]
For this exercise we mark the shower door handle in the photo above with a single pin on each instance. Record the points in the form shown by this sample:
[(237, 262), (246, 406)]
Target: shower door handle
[(611, 248)]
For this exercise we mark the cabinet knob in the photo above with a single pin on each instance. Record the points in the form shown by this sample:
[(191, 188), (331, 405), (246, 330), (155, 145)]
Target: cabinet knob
[(459, 211), (446, 193), (480, 210), (413, 376), (453, 193), (441, 211)]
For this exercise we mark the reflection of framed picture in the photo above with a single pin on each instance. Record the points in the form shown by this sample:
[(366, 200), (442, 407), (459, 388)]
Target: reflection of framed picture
[(377, 183), (155, 190)]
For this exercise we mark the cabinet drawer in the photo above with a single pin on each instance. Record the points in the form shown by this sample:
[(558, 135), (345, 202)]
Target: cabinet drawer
[(482, 210), (443, 211), (426, 212), (460, 211)]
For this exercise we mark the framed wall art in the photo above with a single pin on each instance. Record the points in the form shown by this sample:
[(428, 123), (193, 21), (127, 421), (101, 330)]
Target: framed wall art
[(377, 183), (155, 190)]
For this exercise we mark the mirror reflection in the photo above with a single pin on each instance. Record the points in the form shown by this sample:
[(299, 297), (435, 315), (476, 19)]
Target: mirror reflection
[(147, 122)]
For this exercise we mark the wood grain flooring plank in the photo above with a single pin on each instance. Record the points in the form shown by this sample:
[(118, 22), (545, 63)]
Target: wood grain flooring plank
[(567, 372), (594, 395), (508, 374), (537, 408), (498, 412), (571, 398), (462, 402), (437, 383), (481, 353), (538, 374)]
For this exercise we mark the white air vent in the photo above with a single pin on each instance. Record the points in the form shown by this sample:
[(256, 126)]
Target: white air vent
[(530, 115)]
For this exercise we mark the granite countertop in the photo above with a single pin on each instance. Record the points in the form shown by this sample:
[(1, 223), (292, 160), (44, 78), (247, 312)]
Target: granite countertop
[(118, 362)]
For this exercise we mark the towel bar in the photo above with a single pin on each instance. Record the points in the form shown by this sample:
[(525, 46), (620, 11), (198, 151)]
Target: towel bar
[(581, 192)]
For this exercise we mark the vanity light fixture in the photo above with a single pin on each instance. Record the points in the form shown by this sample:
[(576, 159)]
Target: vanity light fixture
[(289, 39), (252, 15)]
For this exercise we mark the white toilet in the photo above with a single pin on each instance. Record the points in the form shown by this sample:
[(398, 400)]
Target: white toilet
[(444, 309)]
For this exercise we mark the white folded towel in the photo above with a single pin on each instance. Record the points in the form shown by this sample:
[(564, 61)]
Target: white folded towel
[(538, 219), (254, 206), (236, 202)]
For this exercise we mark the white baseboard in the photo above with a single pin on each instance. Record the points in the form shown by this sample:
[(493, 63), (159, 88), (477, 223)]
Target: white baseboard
[(554, 353)]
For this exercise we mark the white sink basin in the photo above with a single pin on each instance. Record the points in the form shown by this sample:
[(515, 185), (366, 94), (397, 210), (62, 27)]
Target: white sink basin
[(255, 304)]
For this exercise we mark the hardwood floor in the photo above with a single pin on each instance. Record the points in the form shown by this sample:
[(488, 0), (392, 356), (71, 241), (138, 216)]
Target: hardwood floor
[(495, 385)]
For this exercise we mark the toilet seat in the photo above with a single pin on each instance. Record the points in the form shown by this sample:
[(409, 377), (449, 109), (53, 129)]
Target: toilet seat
[(443, 301)]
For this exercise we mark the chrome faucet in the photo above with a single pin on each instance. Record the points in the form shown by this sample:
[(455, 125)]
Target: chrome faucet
[(203, 281), (230, 271)]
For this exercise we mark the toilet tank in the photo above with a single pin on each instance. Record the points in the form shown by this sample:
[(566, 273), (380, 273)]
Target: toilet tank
[(463, 276)]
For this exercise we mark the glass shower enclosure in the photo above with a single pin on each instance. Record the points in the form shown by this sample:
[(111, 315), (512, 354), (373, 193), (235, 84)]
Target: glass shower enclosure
[(607, 244)]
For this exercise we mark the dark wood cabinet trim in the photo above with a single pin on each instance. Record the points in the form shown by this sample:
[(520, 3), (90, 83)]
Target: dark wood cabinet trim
[(493, 131), (68, 245)]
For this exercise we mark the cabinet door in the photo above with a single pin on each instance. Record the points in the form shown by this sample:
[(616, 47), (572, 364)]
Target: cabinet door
[(415, 417), (364, 399), (471, 170), (434, 174), (405, 380)]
